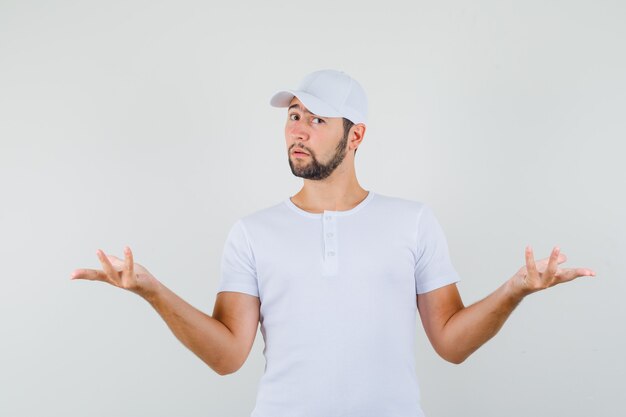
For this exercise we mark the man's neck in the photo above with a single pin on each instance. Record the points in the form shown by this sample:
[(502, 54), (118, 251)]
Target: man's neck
[(318, 200)]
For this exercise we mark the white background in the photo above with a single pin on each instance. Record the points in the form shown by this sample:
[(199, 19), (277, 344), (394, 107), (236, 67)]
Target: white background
[(147, 123)]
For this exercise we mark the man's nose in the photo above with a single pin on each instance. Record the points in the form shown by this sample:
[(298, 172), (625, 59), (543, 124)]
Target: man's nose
[(297, 130)]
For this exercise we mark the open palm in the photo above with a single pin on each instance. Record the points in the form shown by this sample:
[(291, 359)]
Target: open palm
[(546, 273), (121, 273)]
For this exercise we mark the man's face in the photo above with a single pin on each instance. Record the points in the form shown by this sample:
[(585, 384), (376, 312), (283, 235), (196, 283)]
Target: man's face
[(321, 138)]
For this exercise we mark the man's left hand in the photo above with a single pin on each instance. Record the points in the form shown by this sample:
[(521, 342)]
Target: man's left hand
[(545, 273)]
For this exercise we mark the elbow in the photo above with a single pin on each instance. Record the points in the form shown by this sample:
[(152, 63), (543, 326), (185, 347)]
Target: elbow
[(222, 369), (221, 372), (453, 351), (225, 371), (228, 370), (456, 358)]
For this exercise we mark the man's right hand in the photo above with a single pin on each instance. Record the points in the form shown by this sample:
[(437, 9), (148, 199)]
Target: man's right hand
[(122, 273), (207, 337)]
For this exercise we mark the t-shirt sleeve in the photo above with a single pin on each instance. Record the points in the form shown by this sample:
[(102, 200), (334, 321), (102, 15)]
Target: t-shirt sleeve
[(433, 268), (238, 270)]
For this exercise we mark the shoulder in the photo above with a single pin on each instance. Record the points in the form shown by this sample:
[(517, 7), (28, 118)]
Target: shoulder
[(398, 205), (263, 220), (273, 210)]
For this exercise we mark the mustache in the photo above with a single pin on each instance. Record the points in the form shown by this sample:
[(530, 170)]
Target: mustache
[(302, 148)]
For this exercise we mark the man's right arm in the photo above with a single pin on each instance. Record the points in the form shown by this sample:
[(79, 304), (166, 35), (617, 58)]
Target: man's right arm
[(223, 341), (204, 335)]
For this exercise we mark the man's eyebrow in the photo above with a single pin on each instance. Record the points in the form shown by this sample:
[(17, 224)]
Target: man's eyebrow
[(297, 106)]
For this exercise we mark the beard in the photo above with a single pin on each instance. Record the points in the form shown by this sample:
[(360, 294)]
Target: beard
[(313, 169)]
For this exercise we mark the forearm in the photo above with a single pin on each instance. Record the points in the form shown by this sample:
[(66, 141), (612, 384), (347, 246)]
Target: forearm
[(473, 326), (205, 336), (457, 331)]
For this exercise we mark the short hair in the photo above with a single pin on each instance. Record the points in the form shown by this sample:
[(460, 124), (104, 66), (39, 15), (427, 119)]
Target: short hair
[(347, 125)]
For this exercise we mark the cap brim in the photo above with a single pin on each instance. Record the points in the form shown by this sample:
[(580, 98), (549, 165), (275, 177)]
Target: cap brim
[(312, 103)]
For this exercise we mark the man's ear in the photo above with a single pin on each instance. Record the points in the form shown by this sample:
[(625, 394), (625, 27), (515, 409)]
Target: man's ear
[(356, 135)]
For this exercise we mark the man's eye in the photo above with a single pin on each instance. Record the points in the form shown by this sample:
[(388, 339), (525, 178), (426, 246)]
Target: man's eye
[(295, 116)]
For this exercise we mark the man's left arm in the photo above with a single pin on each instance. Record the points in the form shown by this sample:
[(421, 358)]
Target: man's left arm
[(456, 331)]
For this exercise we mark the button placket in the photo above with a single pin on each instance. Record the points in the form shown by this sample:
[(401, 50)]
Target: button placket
[(330, 244)]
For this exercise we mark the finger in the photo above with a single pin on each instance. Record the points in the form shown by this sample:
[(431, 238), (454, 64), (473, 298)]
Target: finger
[(84, 274), (90, 274), (571, 273), (108, 268), (541, 264), (117, 263), (531, 268), (129, 266), (552, 264)]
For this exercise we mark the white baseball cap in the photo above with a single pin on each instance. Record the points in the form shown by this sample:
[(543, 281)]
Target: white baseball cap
[(328, 93)]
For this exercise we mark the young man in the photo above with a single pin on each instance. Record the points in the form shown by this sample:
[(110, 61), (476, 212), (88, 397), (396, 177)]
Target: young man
[(336, 275)]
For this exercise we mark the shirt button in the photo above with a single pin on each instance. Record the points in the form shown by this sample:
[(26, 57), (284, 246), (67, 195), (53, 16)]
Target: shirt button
[(329, 234), (331, 253)]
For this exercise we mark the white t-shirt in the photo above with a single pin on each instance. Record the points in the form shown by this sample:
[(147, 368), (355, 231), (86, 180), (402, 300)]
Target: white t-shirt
[(338, 303)]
